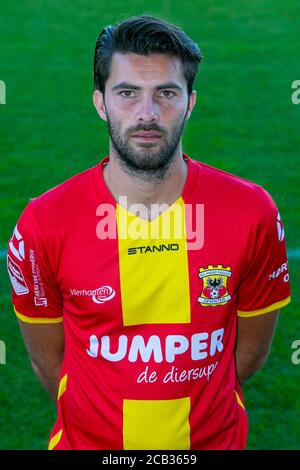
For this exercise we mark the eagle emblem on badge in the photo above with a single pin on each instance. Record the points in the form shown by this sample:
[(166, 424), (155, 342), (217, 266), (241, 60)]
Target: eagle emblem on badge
[(214, 285)]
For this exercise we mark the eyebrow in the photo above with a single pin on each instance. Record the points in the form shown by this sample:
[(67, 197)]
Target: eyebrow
[(129, 86)]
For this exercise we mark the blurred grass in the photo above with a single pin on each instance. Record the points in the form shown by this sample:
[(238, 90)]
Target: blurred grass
[(244, 122)]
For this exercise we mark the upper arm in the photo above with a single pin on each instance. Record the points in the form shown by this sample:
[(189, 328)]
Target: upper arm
[(44, 342), (36, 296), (264, 285), (254, 334)]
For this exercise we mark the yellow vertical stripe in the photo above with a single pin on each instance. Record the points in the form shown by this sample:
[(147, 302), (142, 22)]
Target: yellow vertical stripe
[(154, 278), (156, 424), (55, 440), (62, 386)]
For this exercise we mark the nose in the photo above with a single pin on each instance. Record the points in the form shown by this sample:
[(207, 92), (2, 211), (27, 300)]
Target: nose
[(147, 111)]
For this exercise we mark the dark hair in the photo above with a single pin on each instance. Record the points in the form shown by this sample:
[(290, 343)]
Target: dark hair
[(144, 35)]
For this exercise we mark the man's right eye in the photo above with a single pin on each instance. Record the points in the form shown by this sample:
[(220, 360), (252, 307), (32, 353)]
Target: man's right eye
[(127, 93)]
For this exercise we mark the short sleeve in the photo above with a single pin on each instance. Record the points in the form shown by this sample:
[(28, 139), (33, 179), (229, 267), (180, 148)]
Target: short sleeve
[(265, 284), (35, 294)]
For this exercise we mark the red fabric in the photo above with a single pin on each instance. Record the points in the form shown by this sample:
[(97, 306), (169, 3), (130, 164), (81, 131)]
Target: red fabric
[(240, 234)]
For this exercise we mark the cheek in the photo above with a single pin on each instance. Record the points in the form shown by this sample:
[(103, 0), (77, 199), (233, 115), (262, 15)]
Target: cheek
[(124, 107), (117, 117), (174, 115), (123, 113), (174, 109)]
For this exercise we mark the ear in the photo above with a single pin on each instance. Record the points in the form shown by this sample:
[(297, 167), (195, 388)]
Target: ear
[(98, 100), (192, 102)]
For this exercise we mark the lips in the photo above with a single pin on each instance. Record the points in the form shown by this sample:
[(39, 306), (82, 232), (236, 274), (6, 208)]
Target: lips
[(147, 135)]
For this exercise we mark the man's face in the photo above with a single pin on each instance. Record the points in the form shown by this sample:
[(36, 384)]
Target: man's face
[(145, 105)]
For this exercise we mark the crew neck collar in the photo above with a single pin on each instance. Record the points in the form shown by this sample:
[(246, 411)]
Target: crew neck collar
[(102, 188)]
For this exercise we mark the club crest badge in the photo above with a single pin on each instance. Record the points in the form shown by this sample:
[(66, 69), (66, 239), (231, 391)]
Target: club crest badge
[(214, 285)]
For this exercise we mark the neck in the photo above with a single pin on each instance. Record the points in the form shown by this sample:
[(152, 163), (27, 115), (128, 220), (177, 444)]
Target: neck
[(139, 191)]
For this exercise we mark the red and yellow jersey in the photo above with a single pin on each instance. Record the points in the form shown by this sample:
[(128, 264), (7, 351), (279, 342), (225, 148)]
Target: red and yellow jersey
[(149, 308)]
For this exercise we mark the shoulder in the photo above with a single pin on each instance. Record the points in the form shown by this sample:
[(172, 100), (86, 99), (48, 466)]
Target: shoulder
[(63, 201), (59, 207), (76, 186), (240, 194)]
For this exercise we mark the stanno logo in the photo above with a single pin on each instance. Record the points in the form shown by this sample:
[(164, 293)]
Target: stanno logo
[(153, 249)]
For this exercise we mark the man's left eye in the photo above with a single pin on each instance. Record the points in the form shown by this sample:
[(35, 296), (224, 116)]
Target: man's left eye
[(167, 93)]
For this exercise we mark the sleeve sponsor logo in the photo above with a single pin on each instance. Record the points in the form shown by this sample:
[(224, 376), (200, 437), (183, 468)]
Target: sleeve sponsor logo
[(16, 277), (280, 229), (282, 269), (40, 299), (16, 245)]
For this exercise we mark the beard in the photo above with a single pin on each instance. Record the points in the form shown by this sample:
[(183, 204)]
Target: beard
[(150, 161)]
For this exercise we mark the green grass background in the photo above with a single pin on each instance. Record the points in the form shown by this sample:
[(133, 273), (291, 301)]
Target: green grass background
[(244, 122)]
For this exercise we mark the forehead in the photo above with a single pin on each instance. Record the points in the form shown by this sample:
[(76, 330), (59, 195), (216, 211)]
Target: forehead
[(154, 68)]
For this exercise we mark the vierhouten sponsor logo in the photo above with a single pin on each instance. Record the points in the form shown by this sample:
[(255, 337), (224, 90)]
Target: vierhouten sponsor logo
[(99, 296)]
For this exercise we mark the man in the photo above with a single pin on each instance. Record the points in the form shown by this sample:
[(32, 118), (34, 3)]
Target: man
[(148, 287)]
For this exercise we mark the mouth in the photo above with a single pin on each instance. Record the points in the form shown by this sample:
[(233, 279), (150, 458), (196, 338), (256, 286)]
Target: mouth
[(148, 136)]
